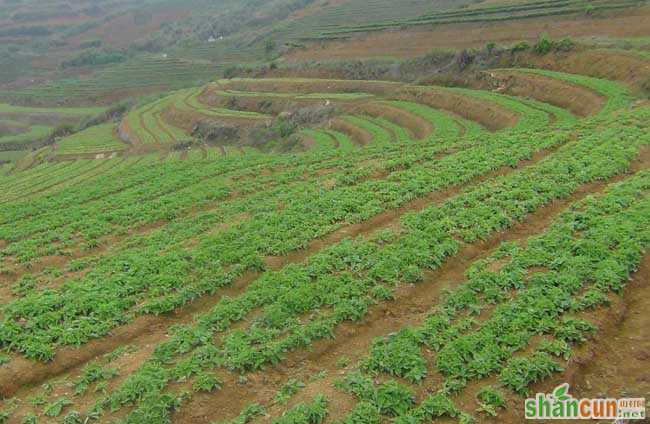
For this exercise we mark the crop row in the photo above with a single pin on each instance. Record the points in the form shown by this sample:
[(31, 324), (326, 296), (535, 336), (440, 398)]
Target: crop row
[(124, 199), (517, 323), (158, 73), (96, 139), (491, 14), (160, 282), (305, 302)]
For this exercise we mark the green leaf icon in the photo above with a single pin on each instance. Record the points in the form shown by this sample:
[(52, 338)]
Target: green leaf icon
[(561, 392)]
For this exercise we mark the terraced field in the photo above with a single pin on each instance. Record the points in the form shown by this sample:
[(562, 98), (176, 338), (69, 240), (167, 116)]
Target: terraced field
[(21, 127), (427, 254), (498, 13), (97, 139), (141, 75)]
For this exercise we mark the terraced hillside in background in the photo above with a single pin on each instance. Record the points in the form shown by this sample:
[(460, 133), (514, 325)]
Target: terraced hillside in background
[(23, 129), (423, 254), (78, 53)]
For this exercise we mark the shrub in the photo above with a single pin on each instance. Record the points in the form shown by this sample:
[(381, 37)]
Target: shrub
[(544, 45), (520, 47), (232, 71), (113, 113), (95, 58), (565, 44), (216, 133)]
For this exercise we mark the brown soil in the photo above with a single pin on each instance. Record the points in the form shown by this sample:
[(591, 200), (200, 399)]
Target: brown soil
[(358, 135), (352, 340), (313, 86), (308, 142), (21, 374), (579, 100), (608, 64), (419, 41), (620, 361), (614, 363), (488, 114), (418, 127)]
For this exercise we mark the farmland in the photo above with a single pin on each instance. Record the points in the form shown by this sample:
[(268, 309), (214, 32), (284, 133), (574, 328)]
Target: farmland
[(426, 252), (24, 128), (321, 212), (96, 139)]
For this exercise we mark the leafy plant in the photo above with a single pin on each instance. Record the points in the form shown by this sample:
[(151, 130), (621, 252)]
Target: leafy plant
[(288, 389), (206, 382), (490, 400), (55, 408)]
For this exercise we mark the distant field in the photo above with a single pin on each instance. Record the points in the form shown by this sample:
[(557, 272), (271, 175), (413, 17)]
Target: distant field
[(34, 133), (148, 74), (97, 139), (495, 13), (68, 111), (36, 123), (628, 23), (12, 156)]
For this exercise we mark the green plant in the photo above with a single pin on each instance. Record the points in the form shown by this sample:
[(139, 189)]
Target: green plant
[(288, 389), (72, 417), (305, 413), (520, 47), (543, 46), (206, 382), (247, 415), (55, 408), (363, 412), (342, 362), (29, 418), (490, 400)]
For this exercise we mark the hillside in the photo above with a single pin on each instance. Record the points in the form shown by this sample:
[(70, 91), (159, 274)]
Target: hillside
[(323, 212)]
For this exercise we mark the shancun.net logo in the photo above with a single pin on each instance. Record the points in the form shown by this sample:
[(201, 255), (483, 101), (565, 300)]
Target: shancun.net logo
[(561, 405)]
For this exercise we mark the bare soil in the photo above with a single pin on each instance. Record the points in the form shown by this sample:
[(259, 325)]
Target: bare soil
[(418, 127), (358, 135), (488, 114), (578, 100), (419, 41), (352, 340)]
